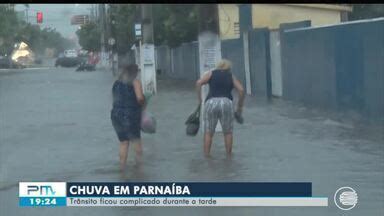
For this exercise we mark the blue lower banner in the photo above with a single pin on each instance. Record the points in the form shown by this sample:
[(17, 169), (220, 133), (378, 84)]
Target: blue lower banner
[(168, 194), (43, 201)]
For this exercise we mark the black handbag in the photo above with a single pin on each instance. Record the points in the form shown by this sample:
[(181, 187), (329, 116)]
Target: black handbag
[(193, 122)]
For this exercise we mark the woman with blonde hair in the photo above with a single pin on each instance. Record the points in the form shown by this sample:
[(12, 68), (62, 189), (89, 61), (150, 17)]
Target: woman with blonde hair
[(128, 102), (218, 104)]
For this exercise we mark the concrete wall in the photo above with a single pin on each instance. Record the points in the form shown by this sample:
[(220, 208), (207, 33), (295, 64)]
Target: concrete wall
[(179, 63), (276, 74), (183, 63), (232, 50), (259, 60), (163, 60), (338, 67), (373, 82)]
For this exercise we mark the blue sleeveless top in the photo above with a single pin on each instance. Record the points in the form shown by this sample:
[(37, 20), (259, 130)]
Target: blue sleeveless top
[(124, 96), (220, 84)]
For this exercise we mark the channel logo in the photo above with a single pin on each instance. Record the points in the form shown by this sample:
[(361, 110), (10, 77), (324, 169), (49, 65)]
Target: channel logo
[(345, 198), (42, 189)]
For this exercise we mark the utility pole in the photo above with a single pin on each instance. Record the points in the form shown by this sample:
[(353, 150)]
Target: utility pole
[(27, 13), (108, 35), (112, 39), (103, 36), (209, 43), (245, 12), (92, 13), (147, 51)]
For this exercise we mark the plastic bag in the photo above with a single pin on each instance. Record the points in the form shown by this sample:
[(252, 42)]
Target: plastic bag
[(193, 122), (148, 122)]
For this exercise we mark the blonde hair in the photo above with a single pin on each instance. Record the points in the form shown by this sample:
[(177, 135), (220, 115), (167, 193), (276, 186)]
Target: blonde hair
[(224, 64)]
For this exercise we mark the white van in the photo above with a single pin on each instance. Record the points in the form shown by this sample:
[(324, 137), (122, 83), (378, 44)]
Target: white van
[(70, 53)]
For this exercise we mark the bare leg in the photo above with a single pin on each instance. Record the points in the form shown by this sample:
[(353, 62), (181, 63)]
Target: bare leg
[(138, 150), (228, 139), (207, 143), (123, 154)]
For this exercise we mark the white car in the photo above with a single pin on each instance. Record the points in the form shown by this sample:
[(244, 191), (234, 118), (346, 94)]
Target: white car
[(70, 53)]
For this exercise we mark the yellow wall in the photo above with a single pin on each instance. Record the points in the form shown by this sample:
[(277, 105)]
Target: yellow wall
[(228, 16), (272, 15)]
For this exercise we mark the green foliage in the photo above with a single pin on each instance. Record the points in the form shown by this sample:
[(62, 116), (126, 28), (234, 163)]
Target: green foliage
[(366, 11), (175, 24), (52, 38), (9, 25), (41, 39), (89, 37), (13, 30), (122, 29)]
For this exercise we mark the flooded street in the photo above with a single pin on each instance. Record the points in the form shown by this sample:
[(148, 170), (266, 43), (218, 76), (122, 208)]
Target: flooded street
[(55, 126)]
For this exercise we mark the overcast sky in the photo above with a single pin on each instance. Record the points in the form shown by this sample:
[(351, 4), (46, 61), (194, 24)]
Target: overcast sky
[(57, 16)]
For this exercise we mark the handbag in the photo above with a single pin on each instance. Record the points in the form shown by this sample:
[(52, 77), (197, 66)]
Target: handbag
[(193, 122)]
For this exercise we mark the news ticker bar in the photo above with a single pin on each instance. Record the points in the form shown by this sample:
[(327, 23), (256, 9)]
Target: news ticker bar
[(168, 194), (173, 201)]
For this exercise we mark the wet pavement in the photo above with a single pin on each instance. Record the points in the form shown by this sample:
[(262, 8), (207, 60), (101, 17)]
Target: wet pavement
[(55, 126)]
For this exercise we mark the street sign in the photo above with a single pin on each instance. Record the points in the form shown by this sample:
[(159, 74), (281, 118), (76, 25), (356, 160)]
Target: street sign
[(138, 30), (79, 19), (111, 41)]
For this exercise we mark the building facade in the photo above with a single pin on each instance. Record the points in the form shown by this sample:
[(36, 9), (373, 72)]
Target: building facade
[(272, 15)]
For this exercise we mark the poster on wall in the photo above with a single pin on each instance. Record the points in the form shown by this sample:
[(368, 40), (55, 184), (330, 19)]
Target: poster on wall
[(148, 72)]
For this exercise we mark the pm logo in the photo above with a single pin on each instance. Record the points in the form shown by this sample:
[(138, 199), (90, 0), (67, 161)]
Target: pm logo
[(46, 190), (42, 189)]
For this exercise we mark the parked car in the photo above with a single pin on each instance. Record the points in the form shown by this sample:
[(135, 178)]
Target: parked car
[(70, 53), (7, 62), (4, 62), (68, 58), (67, 61)]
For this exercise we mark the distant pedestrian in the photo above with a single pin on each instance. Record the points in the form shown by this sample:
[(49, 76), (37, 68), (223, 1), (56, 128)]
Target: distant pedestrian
[(93, 58), (218, 104), (128, 102)]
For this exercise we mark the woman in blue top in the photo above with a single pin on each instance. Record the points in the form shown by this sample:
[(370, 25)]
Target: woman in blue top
[(218, 104), (128, 101)]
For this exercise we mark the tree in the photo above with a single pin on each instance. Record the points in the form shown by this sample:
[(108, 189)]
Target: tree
[(53, 39), (89, 37), (175, 24), (13, 30), (41, 39), (31, 35), (123, 18), (9, 25)]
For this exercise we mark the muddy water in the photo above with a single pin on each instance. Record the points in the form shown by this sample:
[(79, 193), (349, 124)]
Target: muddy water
[(55, 126)]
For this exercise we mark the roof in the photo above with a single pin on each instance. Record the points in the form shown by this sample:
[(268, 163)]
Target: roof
[(338, 7)]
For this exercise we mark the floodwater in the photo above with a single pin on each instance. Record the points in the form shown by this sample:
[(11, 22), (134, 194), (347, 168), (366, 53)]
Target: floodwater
[(55, 126)]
